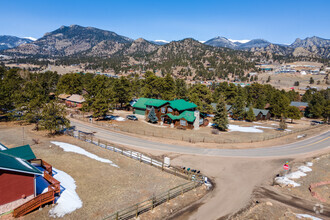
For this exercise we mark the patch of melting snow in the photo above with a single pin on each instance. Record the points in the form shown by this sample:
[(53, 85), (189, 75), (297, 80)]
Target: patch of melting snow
[(69, 199), (120, 119), (75, 149), (309, 164), (305, 169), (244, 129), (286, 181), (287, 130), (295, 175), (307, 216), (263, 127)]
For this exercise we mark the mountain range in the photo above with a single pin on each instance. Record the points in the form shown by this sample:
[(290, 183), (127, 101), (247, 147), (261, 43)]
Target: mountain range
[(76, 40), (7, 42)]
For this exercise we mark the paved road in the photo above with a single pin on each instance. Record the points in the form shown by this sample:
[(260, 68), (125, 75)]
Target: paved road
[(319, 142)]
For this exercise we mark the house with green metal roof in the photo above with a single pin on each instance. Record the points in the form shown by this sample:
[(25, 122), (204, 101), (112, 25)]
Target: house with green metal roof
[(170, 112), (25, 152), (17, 177)]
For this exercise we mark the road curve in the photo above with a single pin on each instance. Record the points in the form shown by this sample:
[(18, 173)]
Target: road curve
[(315, 143)]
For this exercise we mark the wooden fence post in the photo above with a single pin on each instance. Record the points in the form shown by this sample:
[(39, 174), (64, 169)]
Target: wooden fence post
[(137, 210), (117, 216), (162, 166), (168, 196), (182, 191), (151, 161), (140, 157)]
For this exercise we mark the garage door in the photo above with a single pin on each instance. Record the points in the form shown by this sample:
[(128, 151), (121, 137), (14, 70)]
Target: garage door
[(139, 112)]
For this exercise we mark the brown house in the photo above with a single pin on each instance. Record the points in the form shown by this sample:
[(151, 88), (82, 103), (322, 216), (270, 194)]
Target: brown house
[(75, 101)]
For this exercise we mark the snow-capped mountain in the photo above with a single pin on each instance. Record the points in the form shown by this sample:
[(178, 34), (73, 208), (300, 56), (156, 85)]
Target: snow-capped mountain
[(7, 42)]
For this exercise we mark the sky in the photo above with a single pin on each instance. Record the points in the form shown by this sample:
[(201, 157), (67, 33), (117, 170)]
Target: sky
[(277, 21)]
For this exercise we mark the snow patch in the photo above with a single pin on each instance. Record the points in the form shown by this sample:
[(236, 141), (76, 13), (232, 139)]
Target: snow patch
[(244, 129), (257, 126), (69, 199), (295, 175), (305, 169), (162, 41), (2, 147), (307, 216), (286, 181), (75, 149), (239, 41), (31, 38), (120, 119), (23, 162), (309, 164)]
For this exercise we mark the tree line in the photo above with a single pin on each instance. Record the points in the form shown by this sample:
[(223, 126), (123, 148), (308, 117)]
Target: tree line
[(30, 92)]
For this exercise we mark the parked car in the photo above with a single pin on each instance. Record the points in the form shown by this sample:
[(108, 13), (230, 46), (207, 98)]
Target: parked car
[(317, 122), (132, 117), (110, 117)]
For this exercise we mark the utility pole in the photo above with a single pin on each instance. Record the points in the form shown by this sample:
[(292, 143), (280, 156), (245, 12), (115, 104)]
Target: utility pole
[(23, 136)]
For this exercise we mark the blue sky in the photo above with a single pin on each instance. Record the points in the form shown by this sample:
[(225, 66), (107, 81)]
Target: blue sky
[(277, 21)]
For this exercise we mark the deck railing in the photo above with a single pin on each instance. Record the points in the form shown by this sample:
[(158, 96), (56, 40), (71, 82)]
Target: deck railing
[(44, 198)]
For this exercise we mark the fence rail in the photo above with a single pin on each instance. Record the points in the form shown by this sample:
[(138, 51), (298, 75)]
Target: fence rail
[(149, 204), (203, 138), (196, 178), (183, 173)]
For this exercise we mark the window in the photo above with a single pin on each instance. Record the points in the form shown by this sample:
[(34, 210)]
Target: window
[(183, 122), (170, 110), (163, 109)]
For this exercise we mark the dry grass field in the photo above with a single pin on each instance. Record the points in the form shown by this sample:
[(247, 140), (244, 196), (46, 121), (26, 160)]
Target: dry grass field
[(102, 188)]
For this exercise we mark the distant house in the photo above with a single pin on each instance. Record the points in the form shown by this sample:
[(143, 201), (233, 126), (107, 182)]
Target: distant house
[(17, 177), (179, 113), (260, 114), (75, 101), (301, 105), (63, 97)]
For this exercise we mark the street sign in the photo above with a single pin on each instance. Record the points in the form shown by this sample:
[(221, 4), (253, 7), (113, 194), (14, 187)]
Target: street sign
[(286, 166)]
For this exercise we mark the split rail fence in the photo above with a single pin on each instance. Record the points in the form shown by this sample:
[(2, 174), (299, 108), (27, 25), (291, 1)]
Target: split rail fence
[(196, 178)]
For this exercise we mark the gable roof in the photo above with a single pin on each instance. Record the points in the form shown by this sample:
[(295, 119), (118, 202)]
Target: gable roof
[(140, 103), (214, 106), (188, 115), (156, 102), (63, 96), (24, 152), (3, 147), (181, 104), (256, 111), (12, 163), (299, 104), (76, 98)]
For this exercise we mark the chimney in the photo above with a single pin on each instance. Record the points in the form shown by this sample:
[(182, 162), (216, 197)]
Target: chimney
[(196, 122)]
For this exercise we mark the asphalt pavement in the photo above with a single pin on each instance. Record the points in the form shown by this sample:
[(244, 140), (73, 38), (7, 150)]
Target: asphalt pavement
[(306, 145)]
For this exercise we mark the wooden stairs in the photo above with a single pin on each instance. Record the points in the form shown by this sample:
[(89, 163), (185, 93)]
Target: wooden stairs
[(53, 189)]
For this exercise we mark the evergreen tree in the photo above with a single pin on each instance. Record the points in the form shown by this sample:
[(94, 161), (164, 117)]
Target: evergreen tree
[(53, 117), (238, 108), (150, 88), (152, 116), (250, 115), (180, 89), (202, 97), (167, 87), (101, 105), (282, 124), (293, 113), (311, 80), (122, 91), (70, 83), (279, 104), (268, 80), (220, 118)]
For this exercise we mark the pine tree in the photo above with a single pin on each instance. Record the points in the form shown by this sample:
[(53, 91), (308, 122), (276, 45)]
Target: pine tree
[(293, 113), (250, 115), (53, 117), (152, 116), (282, 125), (238, 108), (220, 118)]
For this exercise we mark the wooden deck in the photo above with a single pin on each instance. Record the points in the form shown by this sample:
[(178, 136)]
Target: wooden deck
[(53, 189)]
